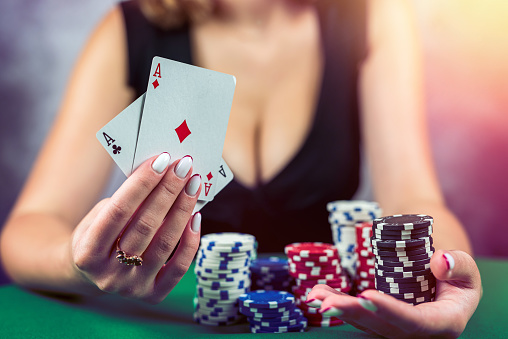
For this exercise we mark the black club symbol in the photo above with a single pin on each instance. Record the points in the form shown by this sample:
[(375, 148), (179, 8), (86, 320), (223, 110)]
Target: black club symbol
[(116, 149)]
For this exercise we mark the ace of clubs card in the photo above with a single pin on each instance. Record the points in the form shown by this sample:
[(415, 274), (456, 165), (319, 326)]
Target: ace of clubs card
[(186, 112)]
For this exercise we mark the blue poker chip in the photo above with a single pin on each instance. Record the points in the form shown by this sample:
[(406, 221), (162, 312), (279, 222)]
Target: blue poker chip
[(295, 314), (260, 315), (267, 299), (269, 265), (302, 325), (275, 322)]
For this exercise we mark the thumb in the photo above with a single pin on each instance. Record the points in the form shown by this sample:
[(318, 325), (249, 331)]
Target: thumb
[(455, 266)]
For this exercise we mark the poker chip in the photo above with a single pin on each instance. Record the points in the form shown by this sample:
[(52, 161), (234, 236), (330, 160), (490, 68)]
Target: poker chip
[(222, 275), (267, 299), (416, 257), (402, 269), (422, 283), (402, 244), (403, 263), (393, 290), (271, 312), (349, 240), (402, 247), (270, 273), (378, 231), (311, 264), (310, 249), (401, 222), (385, 253)]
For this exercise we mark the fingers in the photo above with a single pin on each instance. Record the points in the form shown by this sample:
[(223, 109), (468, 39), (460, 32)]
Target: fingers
[(123, 204), (166, 239), (175, 268), (149, 217), (456, 266)]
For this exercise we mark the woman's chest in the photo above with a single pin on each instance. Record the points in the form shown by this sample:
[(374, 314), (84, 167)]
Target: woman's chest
[(278, 84)]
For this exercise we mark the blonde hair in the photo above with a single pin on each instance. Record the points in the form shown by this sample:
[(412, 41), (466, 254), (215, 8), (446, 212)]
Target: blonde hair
[(168, 14)]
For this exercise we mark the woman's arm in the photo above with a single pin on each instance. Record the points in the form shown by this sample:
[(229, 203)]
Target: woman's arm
[(405, 181), (71, 169), (394, 123)]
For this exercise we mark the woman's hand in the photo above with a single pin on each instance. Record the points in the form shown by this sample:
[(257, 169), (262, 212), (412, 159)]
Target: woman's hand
[(149, 214), (457, 296)]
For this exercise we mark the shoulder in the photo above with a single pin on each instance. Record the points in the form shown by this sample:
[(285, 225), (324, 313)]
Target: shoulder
[(389, 20)]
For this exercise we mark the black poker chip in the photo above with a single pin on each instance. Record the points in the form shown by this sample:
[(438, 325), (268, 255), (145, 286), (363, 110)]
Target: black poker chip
[(376, 231), (402, 269), (431, 282), (417, 257), (430, 293), (384, 279), (410, 243), (385, 253), (402, 263), (403, 236), (403, 222), (417, 301), (408, 274), (413, 289)]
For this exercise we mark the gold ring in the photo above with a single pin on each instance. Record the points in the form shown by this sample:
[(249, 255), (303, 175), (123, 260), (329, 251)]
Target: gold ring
[(130, 260)]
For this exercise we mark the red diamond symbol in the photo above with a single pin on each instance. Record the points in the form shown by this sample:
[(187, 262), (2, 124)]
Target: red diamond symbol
[(182, 131), (209, 176), (155, 84)]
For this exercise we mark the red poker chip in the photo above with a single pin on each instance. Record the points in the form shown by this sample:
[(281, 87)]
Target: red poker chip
[(312, 263), (311, 249), (330, 282), (315, 271), (316, 259), (307, 276)]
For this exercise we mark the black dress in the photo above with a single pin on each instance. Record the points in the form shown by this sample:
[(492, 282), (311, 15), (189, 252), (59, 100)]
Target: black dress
[(292, 206)]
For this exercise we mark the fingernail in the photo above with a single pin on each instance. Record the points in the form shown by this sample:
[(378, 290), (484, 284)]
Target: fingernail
[(314, 303), (332, 312), (162, 161), (183, 166), (193, 185), (196, 222), (366, 303), (450, 262)]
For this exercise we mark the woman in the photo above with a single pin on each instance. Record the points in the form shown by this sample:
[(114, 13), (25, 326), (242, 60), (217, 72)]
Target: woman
[(302, 69)]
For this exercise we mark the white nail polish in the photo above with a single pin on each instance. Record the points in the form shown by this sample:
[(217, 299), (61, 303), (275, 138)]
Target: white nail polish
[(449, 260), (367, 304), (196, 222), (316, 303), (193, 185), (160, 164), (183, 166), (333, 312)]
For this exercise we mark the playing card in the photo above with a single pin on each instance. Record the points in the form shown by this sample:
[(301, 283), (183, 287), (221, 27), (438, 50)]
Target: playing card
[(186, 112), (224, 177), (120, 135)]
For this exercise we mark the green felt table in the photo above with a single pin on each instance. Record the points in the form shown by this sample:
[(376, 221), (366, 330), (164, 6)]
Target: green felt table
[(30, 315)]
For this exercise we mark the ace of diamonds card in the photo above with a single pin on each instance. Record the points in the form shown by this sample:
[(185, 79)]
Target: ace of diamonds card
[(186, 112)]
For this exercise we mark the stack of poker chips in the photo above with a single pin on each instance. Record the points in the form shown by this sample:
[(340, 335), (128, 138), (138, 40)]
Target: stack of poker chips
[(270, 274), (272, 312), (222, 273), (402, 245), (315, 263), (344, 214), (365, 275)]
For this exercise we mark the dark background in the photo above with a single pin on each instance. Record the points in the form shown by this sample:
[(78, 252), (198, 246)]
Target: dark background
[(465, 48)]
